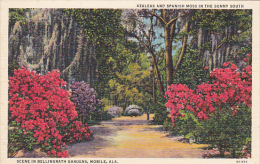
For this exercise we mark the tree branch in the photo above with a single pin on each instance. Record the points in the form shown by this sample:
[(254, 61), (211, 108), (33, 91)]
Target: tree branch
[(174, 19), (139, 39), (147, 37), (230, 39), (147, 47), (171, 21), (173, 28), (153, 14)]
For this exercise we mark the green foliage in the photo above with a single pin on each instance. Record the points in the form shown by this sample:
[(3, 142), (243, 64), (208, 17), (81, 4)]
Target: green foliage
[(160, 114), (100, 25), (223, 130), (104, 30), (188, 126), (132, 83), (217, 20), (12, 65), (18, 140), (113, 60), (191, 71), (246, 49), (167, 124), (99, 115), (220, 22), (228, 132), (16, 15)]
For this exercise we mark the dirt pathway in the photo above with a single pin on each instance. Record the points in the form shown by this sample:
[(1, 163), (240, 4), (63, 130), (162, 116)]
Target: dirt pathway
[(133, 137)]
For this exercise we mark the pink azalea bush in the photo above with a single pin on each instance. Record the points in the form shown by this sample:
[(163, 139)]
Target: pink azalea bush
[(229, 87), (221, 106), (42, 110)]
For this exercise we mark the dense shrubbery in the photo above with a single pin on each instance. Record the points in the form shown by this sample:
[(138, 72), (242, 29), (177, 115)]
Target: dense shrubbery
[(133, 110), (84, 98), (191, 70), (218, 113), (160, 113), (40, 113), (114, 111), (98, 115), (160, 116)]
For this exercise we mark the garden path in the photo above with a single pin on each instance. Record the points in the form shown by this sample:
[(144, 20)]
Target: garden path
[(133, 137)]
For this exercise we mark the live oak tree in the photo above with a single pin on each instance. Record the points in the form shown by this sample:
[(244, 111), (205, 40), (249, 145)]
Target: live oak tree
[(138, 27), (141, 27)]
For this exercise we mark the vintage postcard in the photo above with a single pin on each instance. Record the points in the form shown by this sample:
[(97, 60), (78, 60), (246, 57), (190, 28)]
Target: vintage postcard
[(130, 82)]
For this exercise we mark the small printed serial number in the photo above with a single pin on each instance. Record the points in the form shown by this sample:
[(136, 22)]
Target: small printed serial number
[(242, 161)]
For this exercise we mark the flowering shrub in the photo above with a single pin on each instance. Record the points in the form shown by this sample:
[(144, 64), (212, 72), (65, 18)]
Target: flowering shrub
[(85, 98), (41, 109), (133, 110), (224, 104), (114, 111), (229, 87), (214, 153)]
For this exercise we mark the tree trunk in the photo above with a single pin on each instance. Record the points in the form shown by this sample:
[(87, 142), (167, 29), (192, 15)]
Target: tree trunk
[(150, 51), (157, 73), (169, 32), (183, 50), (168, 55), (154, 88)]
